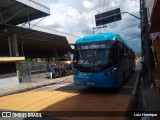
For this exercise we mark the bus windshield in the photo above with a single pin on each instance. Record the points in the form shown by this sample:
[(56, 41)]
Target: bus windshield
[(92, 57)]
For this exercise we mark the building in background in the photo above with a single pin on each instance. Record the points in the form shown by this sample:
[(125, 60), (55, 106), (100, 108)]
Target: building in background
[(150, 34)]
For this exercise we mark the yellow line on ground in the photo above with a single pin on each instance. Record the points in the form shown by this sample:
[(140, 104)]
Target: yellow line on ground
[(64, 101), (29, 100)]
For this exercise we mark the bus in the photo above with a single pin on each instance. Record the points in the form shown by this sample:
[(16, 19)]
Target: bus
[(102, 60)]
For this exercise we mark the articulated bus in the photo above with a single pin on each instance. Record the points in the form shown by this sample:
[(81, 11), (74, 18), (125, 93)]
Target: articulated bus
[(102, 60)]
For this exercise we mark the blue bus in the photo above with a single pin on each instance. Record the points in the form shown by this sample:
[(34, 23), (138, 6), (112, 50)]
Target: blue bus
[(102, 60)]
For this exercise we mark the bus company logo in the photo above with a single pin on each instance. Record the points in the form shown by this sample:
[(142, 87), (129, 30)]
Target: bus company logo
[(6, 114)]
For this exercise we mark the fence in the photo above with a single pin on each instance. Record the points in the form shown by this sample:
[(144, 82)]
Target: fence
[(28, 71), (38, 70)]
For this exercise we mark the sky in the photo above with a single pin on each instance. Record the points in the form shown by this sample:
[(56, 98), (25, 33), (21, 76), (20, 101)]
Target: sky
[(77, 17)]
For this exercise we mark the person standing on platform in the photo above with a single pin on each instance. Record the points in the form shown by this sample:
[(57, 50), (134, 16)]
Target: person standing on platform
[(50, 70)]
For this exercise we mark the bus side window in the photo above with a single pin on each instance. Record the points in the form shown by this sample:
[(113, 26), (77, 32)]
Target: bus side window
[(125, 53), (113, 55), (122, 53), (118, 52)]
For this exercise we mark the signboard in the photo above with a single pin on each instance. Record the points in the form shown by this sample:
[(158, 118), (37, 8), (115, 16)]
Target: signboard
[(85, 47), (108, 17)]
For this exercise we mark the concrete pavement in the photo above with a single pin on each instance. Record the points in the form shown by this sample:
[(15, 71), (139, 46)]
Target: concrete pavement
[(36, 83)]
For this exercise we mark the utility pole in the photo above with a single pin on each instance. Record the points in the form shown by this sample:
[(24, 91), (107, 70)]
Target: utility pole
[(146, 43), (99, 27)]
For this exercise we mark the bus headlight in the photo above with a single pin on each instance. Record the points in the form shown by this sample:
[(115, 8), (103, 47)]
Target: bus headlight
[(111, 71)]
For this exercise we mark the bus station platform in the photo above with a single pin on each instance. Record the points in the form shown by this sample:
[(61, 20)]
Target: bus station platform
[(36, 83)]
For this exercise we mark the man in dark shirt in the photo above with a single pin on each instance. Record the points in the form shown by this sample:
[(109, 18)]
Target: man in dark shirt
[(50, 70)]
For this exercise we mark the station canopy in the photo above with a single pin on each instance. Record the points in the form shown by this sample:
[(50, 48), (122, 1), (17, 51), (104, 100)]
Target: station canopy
[(14, 12), (33, 43)]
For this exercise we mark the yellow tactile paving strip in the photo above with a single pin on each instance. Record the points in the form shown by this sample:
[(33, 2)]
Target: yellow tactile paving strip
[(64, 101), (30, 101)]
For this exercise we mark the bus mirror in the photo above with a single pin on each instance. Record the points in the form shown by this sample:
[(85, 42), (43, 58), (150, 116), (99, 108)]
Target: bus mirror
[(72, 46)]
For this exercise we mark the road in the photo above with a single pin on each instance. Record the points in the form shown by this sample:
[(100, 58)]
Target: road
[(64, 100), (138, 64)]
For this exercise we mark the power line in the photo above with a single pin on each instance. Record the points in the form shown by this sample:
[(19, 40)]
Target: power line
[(56, 31), (133, 38)]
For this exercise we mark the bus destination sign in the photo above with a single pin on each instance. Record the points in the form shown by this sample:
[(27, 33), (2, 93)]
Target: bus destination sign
[(85, 47)]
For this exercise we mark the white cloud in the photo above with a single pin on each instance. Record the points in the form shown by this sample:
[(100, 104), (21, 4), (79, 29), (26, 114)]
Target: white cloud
[(87, 4), (55, 20), (77, 16), (72, 14)]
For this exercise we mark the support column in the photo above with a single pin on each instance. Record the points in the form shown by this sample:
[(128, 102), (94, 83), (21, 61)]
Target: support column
[(14, 45), (10, 48), (55, 54), (146, 43)]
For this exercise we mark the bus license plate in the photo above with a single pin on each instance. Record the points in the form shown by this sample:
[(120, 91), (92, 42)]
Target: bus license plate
[(90, 83), (83, 74)]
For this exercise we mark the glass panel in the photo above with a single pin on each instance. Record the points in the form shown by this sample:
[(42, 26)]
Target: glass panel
[(85, 57), (100, 57), (91, 58)]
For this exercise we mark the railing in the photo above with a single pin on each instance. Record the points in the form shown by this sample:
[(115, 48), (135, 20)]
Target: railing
[(59, 70), (28, 71), (38, 70)]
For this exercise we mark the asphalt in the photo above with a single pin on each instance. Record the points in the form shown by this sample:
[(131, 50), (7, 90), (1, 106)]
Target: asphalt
[(36, 83)]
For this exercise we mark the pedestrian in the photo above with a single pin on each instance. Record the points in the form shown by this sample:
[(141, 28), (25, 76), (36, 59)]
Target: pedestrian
[(50, 70)]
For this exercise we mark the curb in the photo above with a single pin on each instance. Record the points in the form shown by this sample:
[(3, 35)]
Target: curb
[(135, 85), (131, 105), (25, 89), (30, 87)]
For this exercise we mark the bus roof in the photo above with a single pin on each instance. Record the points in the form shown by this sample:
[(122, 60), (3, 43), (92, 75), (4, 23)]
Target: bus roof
[(99, 38)]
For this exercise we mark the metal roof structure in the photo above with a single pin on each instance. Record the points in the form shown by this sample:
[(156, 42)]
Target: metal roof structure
[(14, 12), (33, 43)]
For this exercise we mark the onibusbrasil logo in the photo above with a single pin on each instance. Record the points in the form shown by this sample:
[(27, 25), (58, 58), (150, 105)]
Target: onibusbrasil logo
[(20, 114)]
